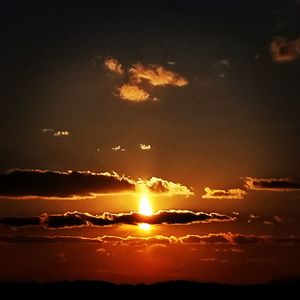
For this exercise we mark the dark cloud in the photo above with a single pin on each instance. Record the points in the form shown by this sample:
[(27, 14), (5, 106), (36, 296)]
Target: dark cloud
[(75, 219), (20, 221), (78, 184), (71, 184), (273, 184), (216, 239)]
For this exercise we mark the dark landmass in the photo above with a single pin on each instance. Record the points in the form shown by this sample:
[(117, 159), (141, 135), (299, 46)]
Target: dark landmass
[(197, 290)]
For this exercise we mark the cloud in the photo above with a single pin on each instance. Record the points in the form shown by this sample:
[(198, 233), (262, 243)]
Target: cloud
[(156, 75), (161, 186), (77, 219), (237, 239), (283, 50), (113, 65), (54, 184), (23, 184), (210, 239), (55, 133), (224, 62), (61, 133), (118, 148), (132, 93), (223, 194), (145, 147), (273, 184)]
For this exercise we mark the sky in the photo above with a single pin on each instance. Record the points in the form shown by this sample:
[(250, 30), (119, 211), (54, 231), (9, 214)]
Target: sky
[(143, 142)]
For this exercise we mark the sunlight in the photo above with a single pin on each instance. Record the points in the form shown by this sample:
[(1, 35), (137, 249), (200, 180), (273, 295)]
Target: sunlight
[(145, 207), (146, 210)]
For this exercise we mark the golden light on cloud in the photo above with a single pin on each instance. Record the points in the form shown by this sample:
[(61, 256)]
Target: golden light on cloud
[(145, 147), (156, 75), (113, 65), (145, 210), (132, 93)]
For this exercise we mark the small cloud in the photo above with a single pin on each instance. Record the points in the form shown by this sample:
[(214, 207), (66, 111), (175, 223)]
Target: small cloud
[(236, 213), (223, 194), (61, 133), (101, 250), (272, 184), (132, 93), (145, 147), (48, 130), (221, 75), (169, 62), (55, 133), (268, 223), (257, 56), (279, 219), (113, 65), (224, 62), (253, 216), (283, 50), (156, 75), (118, 148), (161, 186)]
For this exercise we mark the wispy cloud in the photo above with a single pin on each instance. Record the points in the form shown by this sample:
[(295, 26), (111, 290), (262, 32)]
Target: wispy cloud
[(273, 184), (283, 50), (55, 133), (77, 219), (118, 148), (223, 194), (132, 241), (21, 184), (161, 186), (145, 147), (113, 65), (156, 75), (132, 93)]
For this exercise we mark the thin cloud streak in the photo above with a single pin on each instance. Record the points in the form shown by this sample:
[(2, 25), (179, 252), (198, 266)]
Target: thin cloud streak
[(78, 219)]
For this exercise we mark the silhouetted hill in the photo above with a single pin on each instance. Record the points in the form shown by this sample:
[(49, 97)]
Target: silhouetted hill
[(197, 290)]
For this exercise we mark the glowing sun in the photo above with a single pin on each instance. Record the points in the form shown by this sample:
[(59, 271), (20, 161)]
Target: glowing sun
[(146, 210)]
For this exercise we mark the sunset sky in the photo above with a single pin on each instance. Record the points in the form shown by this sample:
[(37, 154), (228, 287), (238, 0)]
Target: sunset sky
[(145, 141)]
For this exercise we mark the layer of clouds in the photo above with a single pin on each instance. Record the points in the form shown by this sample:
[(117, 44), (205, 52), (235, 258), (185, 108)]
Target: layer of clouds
[(145, 147), (113, 65), (223, 194), (283, 50), (22, 184), (210, 239), (55, 133), (77, 219), (156, 75), (132, 93), (272, 184)]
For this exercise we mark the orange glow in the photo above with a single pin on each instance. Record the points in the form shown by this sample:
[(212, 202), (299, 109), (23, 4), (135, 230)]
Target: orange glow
[(145, 226), (146, 210)]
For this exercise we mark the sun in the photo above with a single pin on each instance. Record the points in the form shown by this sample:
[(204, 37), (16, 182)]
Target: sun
[(145, 210)]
